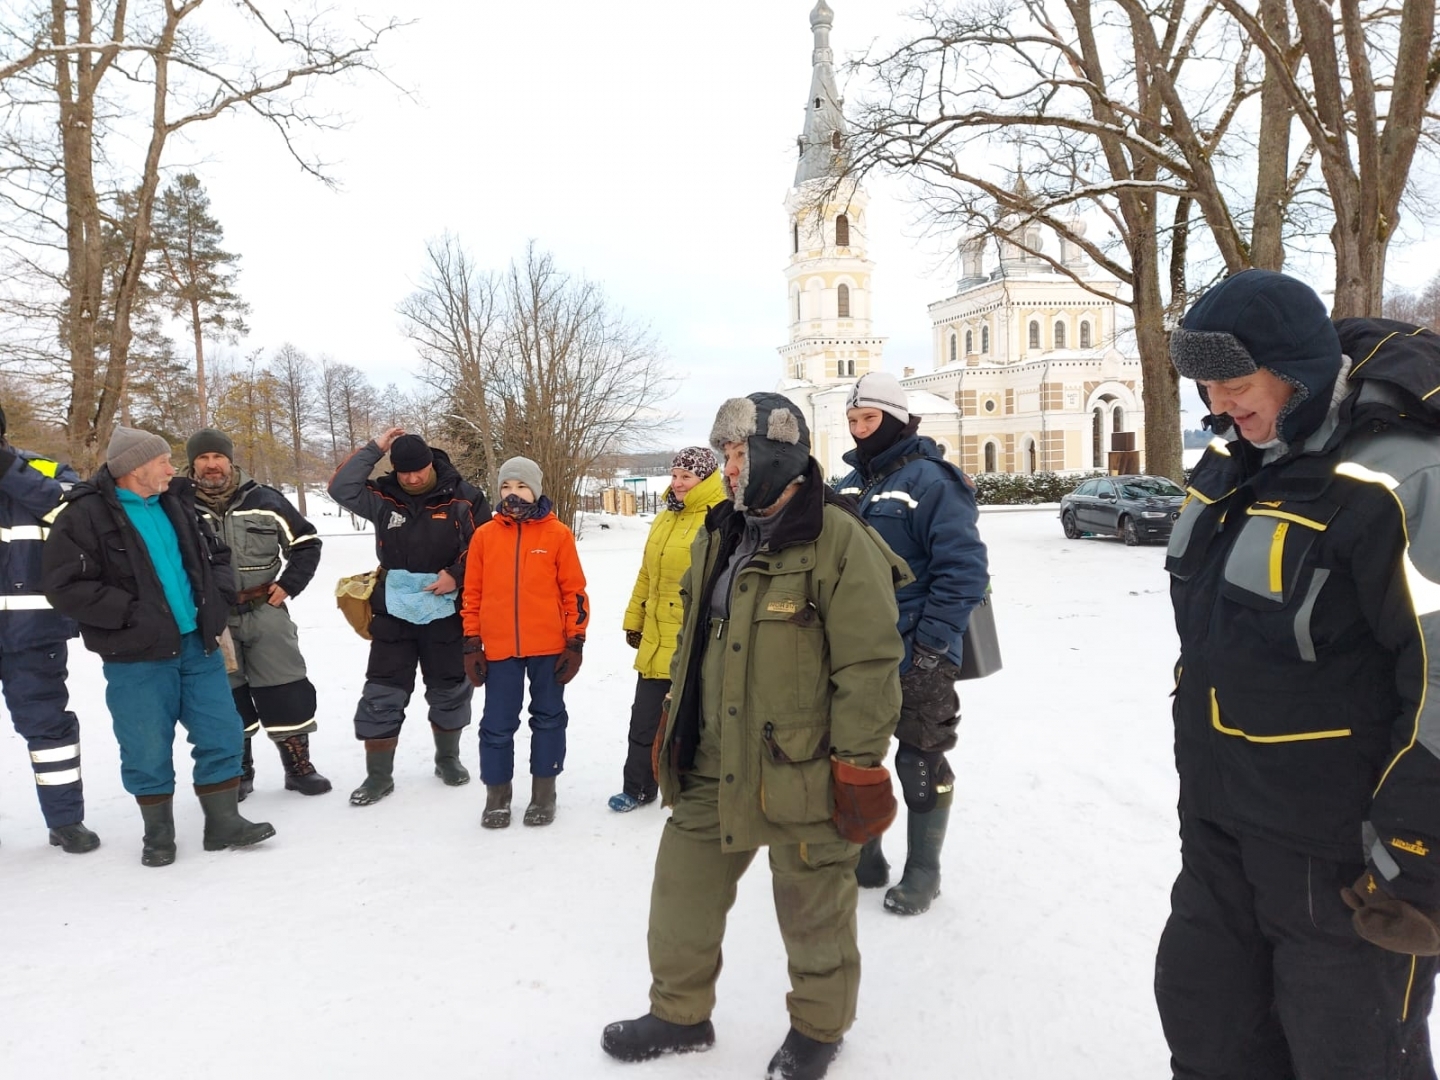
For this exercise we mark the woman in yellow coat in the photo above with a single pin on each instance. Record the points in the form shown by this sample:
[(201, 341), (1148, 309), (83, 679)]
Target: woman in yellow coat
[(653, 618)]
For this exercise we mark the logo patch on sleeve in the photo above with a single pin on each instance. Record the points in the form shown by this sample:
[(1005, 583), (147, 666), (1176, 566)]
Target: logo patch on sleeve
[(1415, 847)]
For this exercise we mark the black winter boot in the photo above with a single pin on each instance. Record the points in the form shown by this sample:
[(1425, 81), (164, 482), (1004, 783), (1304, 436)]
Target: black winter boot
[(75, 839), (872, 871), (920, 884), (801, 1058), (247, 772), (224, 827), (649, 1037), (497, 807), (541, 810), (447, 757), (379, 772), (300, 774), (159, 814)]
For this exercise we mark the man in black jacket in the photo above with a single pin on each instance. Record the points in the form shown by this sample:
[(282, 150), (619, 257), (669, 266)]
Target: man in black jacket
[(274, 553), (129, 558), (34, 640), (424, 515), (1305, 576)]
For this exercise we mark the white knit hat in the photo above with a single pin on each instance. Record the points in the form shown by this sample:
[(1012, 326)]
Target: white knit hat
[(880, 390)]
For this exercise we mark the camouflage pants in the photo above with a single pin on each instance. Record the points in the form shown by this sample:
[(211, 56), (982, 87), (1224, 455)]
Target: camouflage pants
[(693, 891)]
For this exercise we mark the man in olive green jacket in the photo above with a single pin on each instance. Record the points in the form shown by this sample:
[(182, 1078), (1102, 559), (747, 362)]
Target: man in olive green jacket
[(786, 692)]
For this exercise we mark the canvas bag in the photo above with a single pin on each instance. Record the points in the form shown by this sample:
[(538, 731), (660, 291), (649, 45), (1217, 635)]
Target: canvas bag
[(352, 597)]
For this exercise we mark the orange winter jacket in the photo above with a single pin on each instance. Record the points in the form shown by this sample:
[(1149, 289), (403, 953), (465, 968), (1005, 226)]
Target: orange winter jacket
[(524, 589)]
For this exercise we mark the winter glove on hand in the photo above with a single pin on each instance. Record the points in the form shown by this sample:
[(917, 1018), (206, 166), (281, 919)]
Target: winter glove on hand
[(864, 802), (659, 744), (1391, 923), (475, 664), (632, 638), (567, 664)]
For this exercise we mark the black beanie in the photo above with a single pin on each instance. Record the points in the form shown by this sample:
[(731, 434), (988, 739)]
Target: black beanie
[(1261, 318), (777, 445), (409, 453), (209, 441)]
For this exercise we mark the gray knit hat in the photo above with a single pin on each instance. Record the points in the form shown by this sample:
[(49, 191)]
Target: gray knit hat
[(209, 441), (131, 447), (524, 470), (880, 390)]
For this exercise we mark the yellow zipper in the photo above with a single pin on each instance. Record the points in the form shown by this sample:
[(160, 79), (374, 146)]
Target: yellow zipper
[(1277, 557)]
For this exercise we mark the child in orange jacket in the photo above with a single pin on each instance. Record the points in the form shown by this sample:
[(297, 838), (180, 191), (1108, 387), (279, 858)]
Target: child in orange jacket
[(525, 613)]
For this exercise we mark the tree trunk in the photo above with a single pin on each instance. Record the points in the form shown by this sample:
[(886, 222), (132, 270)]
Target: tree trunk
[(200, 399), (1267, 239)]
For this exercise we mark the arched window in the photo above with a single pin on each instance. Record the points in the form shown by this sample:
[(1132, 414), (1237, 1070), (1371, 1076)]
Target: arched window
[(985, 339), (797, 307), (969, 342), (795, 237), (835, 140), (990, 464), (842, 299), (842, 231), (1030, 456), (1118, 419), (1034, 334), (1059, 334), (952, 348), (1097, 439), (1085, 334)]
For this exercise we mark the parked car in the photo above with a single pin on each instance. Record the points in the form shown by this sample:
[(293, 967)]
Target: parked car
[(1135, 508)]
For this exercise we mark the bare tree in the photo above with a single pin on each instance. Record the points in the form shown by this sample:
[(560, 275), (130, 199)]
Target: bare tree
[(86, 82), (295, 374), (539, 364)]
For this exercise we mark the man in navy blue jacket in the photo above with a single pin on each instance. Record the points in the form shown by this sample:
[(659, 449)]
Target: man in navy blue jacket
[(33, 643), (925, 509)]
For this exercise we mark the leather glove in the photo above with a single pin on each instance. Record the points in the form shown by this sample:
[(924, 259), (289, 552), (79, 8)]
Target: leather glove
[(632, 638), (864, 802), (567, 664), (1389, 922), (475, 664), (658, 746)]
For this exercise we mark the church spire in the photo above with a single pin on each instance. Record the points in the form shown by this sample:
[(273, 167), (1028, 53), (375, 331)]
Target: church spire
[(822, 152)]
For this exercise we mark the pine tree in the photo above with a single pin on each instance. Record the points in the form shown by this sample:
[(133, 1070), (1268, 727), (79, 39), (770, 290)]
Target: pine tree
[(195, 275)]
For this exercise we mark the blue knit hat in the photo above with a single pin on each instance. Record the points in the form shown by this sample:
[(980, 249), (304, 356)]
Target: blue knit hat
[(1260, 318)]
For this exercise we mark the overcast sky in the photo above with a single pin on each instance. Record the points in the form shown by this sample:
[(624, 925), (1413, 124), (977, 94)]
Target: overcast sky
[(647, 144)]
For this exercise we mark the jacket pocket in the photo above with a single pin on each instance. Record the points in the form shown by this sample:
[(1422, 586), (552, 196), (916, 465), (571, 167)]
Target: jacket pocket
[(790, 651), (795, 774), (1271, 569), (1266, 725), (1199, 520)]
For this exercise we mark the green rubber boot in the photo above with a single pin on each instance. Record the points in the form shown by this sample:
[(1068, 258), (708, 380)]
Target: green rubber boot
[(224, 827), (379, 772), (159, 843), (872, 871), (447, 757), (920, 884)]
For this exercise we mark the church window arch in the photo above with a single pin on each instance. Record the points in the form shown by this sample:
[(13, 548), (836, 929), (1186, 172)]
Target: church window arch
[(1085, 340), (1034, 333), (835, 140), (969, 342), (953, 347), (846, 368), (842, 300), (842, 231), (797, 305), (991, 457), (944, 448), (795, 237), (985, 338), (1097, 439), (1059, 333), (1117, 418)]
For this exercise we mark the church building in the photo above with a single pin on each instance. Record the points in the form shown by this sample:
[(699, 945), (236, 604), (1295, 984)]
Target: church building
[(1025, 373)]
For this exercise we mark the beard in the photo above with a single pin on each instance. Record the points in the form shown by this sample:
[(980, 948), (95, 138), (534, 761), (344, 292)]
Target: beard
[(215, 481)]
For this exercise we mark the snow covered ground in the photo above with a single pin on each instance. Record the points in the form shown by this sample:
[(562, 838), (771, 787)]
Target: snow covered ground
[(402, 940)]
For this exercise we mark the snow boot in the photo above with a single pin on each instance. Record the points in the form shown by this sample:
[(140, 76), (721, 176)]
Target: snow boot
[(541, 810), (379, 772), (224, 827), (801, 1058), (649, 1037), (247, 772), (497, 807), (872, 871), (159, 844), (75, 839), (300, 774), (447, 757), (623, 803), (920, 884)]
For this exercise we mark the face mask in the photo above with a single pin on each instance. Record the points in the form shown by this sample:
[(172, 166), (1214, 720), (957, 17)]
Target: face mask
[(517, 509)]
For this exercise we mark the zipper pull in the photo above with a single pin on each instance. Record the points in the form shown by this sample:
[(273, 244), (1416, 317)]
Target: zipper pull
[(719, 628)]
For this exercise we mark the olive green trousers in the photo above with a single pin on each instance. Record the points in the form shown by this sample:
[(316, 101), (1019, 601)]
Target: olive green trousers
[(694, 889)]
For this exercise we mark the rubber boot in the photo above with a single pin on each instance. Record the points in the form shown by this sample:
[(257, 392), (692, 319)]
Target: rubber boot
[(300, 774), (247, 772), (159, 844), (872, 871), (74, 839), (801, 1058), (920, 884), (224, 827), (649, 1037), (447, 757), (497, 807), (379, 772), (541, 810)]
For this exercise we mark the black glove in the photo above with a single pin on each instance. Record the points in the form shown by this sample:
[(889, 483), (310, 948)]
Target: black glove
[(633, 638), (476, 666), (1391, 923), (567, 664)]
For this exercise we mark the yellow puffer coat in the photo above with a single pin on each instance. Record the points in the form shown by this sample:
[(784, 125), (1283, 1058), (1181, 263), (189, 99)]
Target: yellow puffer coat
[(655, 608)]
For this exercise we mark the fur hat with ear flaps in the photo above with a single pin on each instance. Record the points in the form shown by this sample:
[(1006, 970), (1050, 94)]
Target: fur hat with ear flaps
[(777, 446)]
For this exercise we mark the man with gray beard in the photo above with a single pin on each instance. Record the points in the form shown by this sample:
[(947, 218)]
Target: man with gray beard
[(275, 552)]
